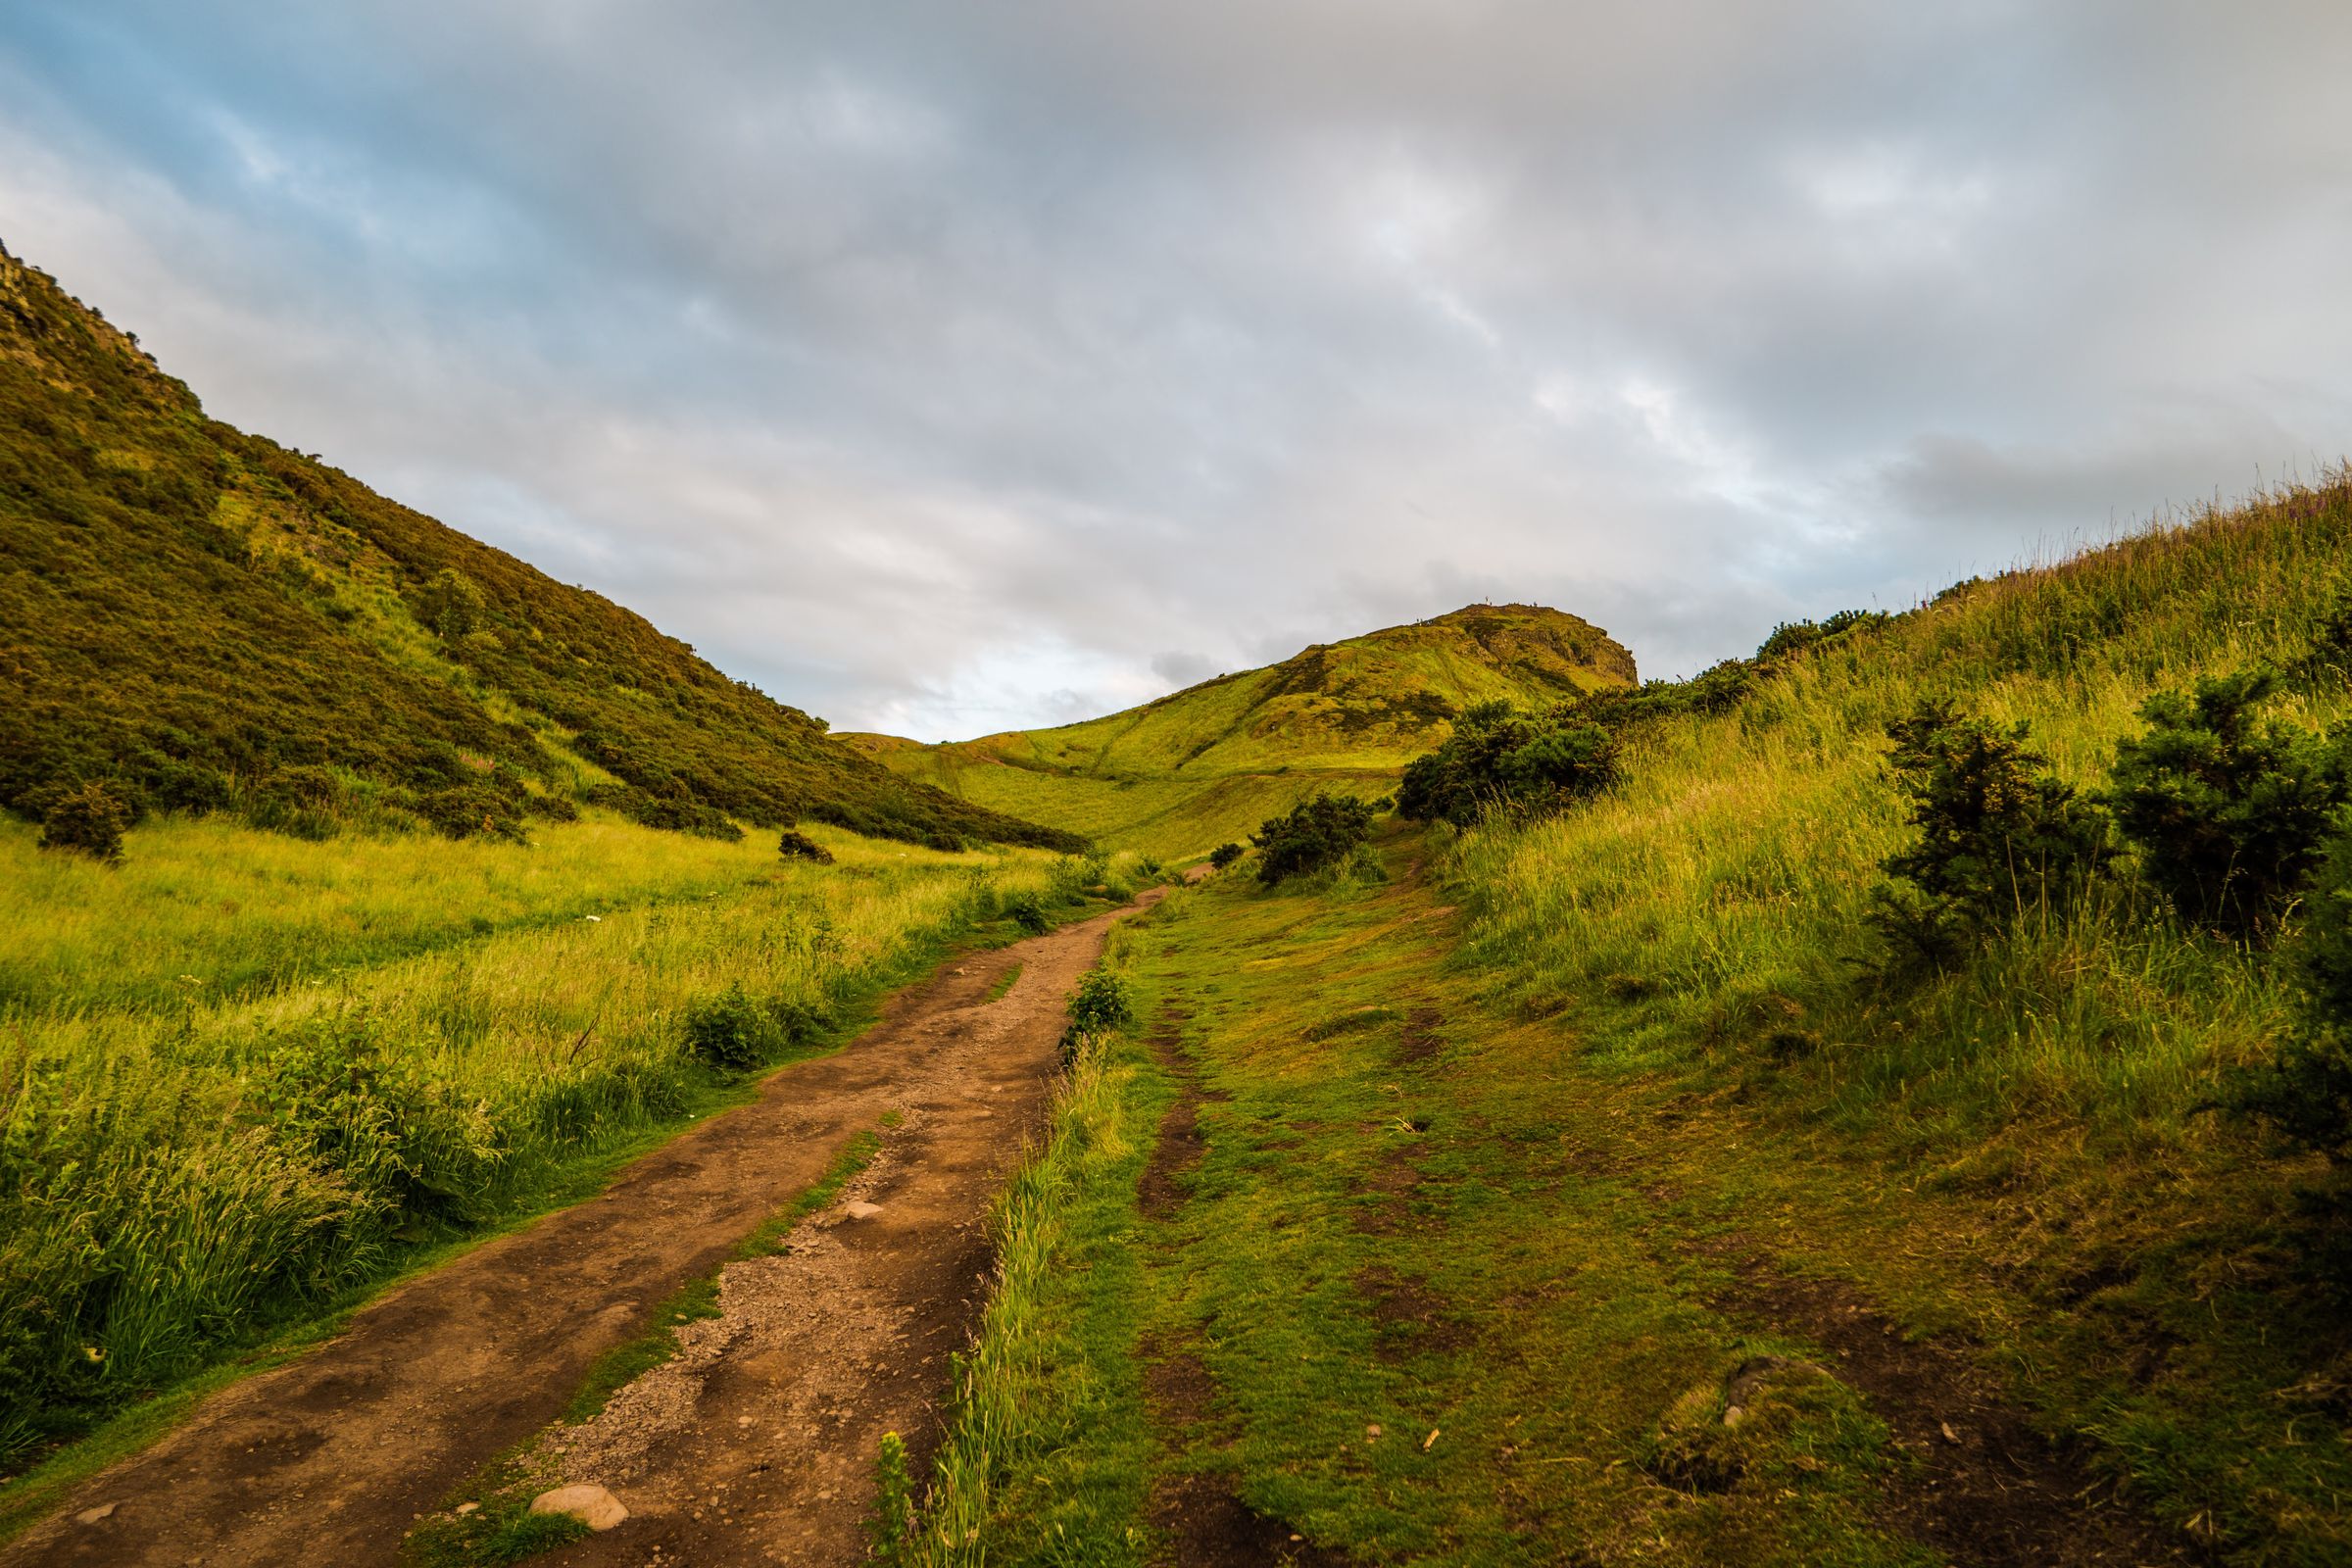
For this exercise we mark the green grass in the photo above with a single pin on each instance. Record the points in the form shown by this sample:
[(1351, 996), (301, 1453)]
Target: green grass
[(190, 1173), (2040, 1111), (1668, 1063), (1004, 983), (1047, 1447), (203, 908), (1561, 1330), (1180, 775)]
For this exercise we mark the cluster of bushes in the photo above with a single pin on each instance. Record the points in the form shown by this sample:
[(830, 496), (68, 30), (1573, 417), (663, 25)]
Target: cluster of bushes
[(734, 1032), (1314, 835), (1498, 758), (2240, 824), (1533, 764), (1101, 1004)]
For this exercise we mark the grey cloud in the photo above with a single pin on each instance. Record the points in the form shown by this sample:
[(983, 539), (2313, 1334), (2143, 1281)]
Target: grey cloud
[(944, 368)]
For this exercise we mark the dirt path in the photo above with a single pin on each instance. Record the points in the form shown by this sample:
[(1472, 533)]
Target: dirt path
[(1199, 1516), (332, 1458)]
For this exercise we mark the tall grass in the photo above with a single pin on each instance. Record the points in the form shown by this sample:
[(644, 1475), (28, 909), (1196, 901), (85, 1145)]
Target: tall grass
[(1718, 891), (180, 1170), (1029, 1391)]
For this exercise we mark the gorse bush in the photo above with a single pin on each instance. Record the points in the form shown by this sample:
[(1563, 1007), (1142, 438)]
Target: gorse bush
[(736, 1032), (2306, 1091), (1224, 855), (1498, 758), (2229, 815), (2330, 655), (1313, 834), (1998, 836), (87, 819), (1792, 637), (794, 845), (1101, 1003), (1027, 911)]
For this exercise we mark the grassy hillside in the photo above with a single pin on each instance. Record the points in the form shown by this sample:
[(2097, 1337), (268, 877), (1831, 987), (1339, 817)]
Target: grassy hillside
[(1484, 1196), (202, 620), (1184, 772)]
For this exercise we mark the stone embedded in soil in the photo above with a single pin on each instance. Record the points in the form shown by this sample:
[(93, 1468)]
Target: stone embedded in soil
[(592, 1505), (91, 1516), (860, 1208)]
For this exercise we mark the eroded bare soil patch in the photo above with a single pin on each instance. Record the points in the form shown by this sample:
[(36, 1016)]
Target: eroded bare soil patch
[(1986, 1487)]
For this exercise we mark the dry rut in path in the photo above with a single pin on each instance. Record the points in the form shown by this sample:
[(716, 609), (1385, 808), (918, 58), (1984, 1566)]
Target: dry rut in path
[(332, 1458)]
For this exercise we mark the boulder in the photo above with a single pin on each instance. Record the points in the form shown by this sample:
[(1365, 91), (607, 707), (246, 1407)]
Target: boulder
[(590, 1505)]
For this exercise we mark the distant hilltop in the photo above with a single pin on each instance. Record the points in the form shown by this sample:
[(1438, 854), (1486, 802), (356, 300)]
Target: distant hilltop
[(1213, 758)]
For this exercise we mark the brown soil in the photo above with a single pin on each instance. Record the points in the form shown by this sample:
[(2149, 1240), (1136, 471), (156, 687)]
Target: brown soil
[(1411, 1318), (1986, 1489), (1201, 1520), (765, 1455), (1181, 1141), (1419, 1041)]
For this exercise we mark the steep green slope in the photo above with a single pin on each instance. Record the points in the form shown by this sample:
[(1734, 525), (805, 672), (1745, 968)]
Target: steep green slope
[(202, 619), (1179, 774)]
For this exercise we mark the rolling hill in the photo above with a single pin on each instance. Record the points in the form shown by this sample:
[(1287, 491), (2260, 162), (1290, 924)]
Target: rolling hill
[(1186, 771), (196, 618)]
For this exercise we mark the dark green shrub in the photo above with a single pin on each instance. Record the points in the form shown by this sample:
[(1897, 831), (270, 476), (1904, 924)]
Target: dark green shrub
[(187, 787), (1500, 759), (1996, 836), (1311, 836), (451, 604), (472, 811), (1028, 911), (731, 1032), (1101, 1003), (795, 844), (2330, 655), (2229, 815), (552, 808), (673, 813), (2306, 1091), (1792, 637), (1224, 855), (86, 819)]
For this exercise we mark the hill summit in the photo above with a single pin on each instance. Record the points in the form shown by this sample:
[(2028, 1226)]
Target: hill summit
[(1212, 760), (196, 618)]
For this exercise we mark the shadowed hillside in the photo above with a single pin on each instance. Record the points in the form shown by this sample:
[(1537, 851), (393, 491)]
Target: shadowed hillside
[(198, 619), (1178, 774)]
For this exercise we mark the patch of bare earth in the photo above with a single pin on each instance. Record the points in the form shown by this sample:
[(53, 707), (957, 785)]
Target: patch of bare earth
[(757, 1448), (1199, 1517), (1988, 1489)]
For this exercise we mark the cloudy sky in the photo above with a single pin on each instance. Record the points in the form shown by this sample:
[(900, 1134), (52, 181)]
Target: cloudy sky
[(948, 367)]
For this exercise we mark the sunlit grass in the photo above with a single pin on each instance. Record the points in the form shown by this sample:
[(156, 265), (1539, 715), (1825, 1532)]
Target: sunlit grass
[(375, 1043)]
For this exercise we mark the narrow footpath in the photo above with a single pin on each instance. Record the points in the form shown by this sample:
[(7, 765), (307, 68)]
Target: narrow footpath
[(758, 1452)]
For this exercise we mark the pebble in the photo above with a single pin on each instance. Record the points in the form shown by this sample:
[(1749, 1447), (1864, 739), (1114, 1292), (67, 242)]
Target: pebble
[(590, 1505)]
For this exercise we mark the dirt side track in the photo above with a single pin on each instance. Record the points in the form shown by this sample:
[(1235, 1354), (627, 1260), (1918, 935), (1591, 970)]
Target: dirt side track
[(331, 1457)]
